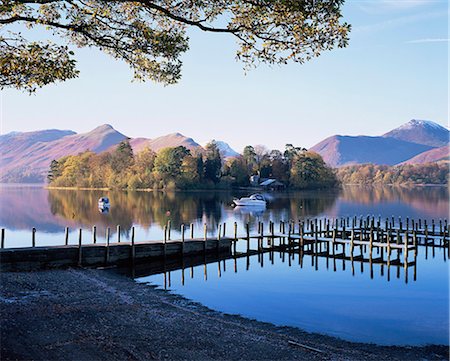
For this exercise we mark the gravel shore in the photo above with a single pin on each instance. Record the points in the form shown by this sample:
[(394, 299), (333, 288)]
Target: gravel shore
[(88, 314)]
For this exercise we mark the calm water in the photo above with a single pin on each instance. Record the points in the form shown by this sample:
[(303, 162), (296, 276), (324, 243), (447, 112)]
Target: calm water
[(362, 304)]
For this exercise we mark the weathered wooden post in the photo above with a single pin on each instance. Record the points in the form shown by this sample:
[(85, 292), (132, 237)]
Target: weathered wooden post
[(3, 238), (165, 241), (352, 242), (235, 238), (118, 234), (261, 240), (79, 247), (406, 249), (108, 231), (182, 239), (247, 229), (33, 237), (370, 242), (433, 227), (66, 236), (415, 243), (169, 227), (133, 249), (192, 230), (218, 237), (94, 234), (224, 229), (205, 236)]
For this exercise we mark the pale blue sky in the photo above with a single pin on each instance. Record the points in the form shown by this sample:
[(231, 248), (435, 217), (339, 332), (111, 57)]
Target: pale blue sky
[(395, 69)]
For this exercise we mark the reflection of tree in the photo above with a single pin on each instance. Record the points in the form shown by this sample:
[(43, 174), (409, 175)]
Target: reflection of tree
[(307, 203), (143, 208), (427, 199)]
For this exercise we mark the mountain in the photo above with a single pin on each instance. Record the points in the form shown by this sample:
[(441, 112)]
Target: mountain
[(421, 132), (225, 149), (25, 157), (170, 140), (340, 150), (399, 145), (432, 155)]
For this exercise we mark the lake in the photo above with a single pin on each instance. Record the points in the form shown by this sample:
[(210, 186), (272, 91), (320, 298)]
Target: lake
[(358, 304)]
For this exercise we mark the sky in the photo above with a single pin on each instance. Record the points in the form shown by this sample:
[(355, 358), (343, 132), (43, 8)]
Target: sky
[(395, 69)]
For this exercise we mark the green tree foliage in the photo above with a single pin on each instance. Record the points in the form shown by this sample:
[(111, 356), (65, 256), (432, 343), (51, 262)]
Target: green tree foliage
[(249, 156), (167, 167), (407, 174), (151, 36), (212, 163), (54, 171), (237, 169), (310, 171)]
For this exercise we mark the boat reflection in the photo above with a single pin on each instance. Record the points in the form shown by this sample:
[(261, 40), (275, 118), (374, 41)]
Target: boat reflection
[(253, 211)]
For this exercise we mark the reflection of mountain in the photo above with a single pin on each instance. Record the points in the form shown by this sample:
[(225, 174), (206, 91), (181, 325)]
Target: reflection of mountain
[(424, 202)]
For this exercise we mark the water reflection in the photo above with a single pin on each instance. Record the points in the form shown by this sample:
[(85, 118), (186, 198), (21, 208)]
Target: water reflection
[(50, 211)]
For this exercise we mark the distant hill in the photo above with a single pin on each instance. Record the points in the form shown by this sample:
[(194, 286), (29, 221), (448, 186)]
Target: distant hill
[(397, 146), (25, 157), (225, 149), (421, 132), (170, 140), (340, 150), (433, 155)]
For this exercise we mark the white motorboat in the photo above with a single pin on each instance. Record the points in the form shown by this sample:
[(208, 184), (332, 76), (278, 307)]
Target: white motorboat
[(255, 200), (103, 203)]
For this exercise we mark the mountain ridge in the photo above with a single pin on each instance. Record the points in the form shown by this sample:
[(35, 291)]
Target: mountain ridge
[(26, 156)]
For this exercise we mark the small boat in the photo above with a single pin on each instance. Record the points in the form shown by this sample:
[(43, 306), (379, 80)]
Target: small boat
[(255, 200), (103, 203)]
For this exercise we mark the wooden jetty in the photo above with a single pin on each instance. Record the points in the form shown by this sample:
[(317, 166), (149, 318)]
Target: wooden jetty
[(347, 239)]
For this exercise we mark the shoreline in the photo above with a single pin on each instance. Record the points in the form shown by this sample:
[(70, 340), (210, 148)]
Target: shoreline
[(95, 314)]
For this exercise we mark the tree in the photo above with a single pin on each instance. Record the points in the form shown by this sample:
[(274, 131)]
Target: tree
[(249, 155), (213, 162), (151, 35), (54, 171), (122, 157), (168, 163), (310, 171), (238, 171), (143, 167)]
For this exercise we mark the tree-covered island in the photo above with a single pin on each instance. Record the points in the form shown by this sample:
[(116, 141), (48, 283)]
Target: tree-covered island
[(179, 168)]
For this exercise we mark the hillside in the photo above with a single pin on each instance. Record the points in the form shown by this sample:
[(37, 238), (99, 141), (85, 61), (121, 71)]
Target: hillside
[(396, 146), (225, 149), (170, 140), (433, 155), (421, 132), (28, 161), (340, 150)]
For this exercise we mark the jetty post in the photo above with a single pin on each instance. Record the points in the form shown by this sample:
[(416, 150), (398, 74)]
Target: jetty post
[(80, 255), (182, 239), (133, 248), (33, 237), (108, 232)]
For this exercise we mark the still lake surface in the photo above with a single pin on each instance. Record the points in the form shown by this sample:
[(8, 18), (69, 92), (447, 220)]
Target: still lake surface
[(360, 304)]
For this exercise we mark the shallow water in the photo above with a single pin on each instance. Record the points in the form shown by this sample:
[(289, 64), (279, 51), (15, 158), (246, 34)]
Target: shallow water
[(352, 303)]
